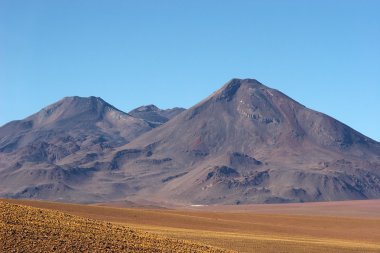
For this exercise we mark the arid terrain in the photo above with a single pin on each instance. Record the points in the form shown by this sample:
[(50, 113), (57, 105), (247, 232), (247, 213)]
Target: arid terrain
[(31, 229), (244, 144), (149, 126), (200, 175), (352, 226)]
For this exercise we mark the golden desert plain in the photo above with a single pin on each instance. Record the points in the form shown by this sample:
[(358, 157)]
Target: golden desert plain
[(39, 226)]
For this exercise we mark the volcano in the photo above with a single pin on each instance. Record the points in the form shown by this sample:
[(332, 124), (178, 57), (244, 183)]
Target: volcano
[(245, 143), (39, 154), (248, 143)]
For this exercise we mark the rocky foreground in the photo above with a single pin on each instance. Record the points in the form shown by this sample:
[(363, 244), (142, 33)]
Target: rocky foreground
[(28, 229)]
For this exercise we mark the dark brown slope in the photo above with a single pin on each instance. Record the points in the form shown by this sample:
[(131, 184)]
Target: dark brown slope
[(40, 156), (155, 115), (247, 143)]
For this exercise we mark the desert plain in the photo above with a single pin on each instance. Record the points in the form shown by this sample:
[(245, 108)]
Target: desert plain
[(346, 226)]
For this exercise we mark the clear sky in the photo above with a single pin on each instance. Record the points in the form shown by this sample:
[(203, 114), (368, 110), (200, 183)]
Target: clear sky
[(325, 54)]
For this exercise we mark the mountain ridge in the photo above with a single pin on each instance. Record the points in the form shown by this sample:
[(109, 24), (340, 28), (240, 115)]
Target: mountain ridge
[(272, 123), (155, 115), (245, 143)]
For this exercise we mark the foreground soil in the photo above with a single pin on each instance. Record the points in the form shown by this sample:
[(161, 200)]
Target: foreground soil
[(344, 227), (30, 229)]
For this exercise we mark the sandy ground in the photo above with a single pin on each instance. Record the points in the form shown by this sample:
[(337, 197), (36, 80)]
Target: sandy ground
[(352, 226)]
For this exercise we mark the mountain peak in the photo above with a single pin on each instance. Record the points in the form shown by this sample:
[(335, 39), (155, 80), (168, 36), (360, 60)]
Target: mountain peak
[(82, 108), (147, 108), (77, 100), (238, 82), (155, 115), (228, 91), (245, 143)]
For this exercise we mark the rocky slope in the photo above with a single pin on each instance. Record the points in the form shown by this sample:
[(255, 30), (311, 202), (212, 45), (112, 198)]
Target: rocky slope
[(29, 229), (245, 143), (39, 156)]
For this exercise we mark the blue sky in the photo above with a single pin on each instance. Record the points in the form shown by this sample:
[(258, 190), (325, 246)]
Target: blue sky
[(325, 54)]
